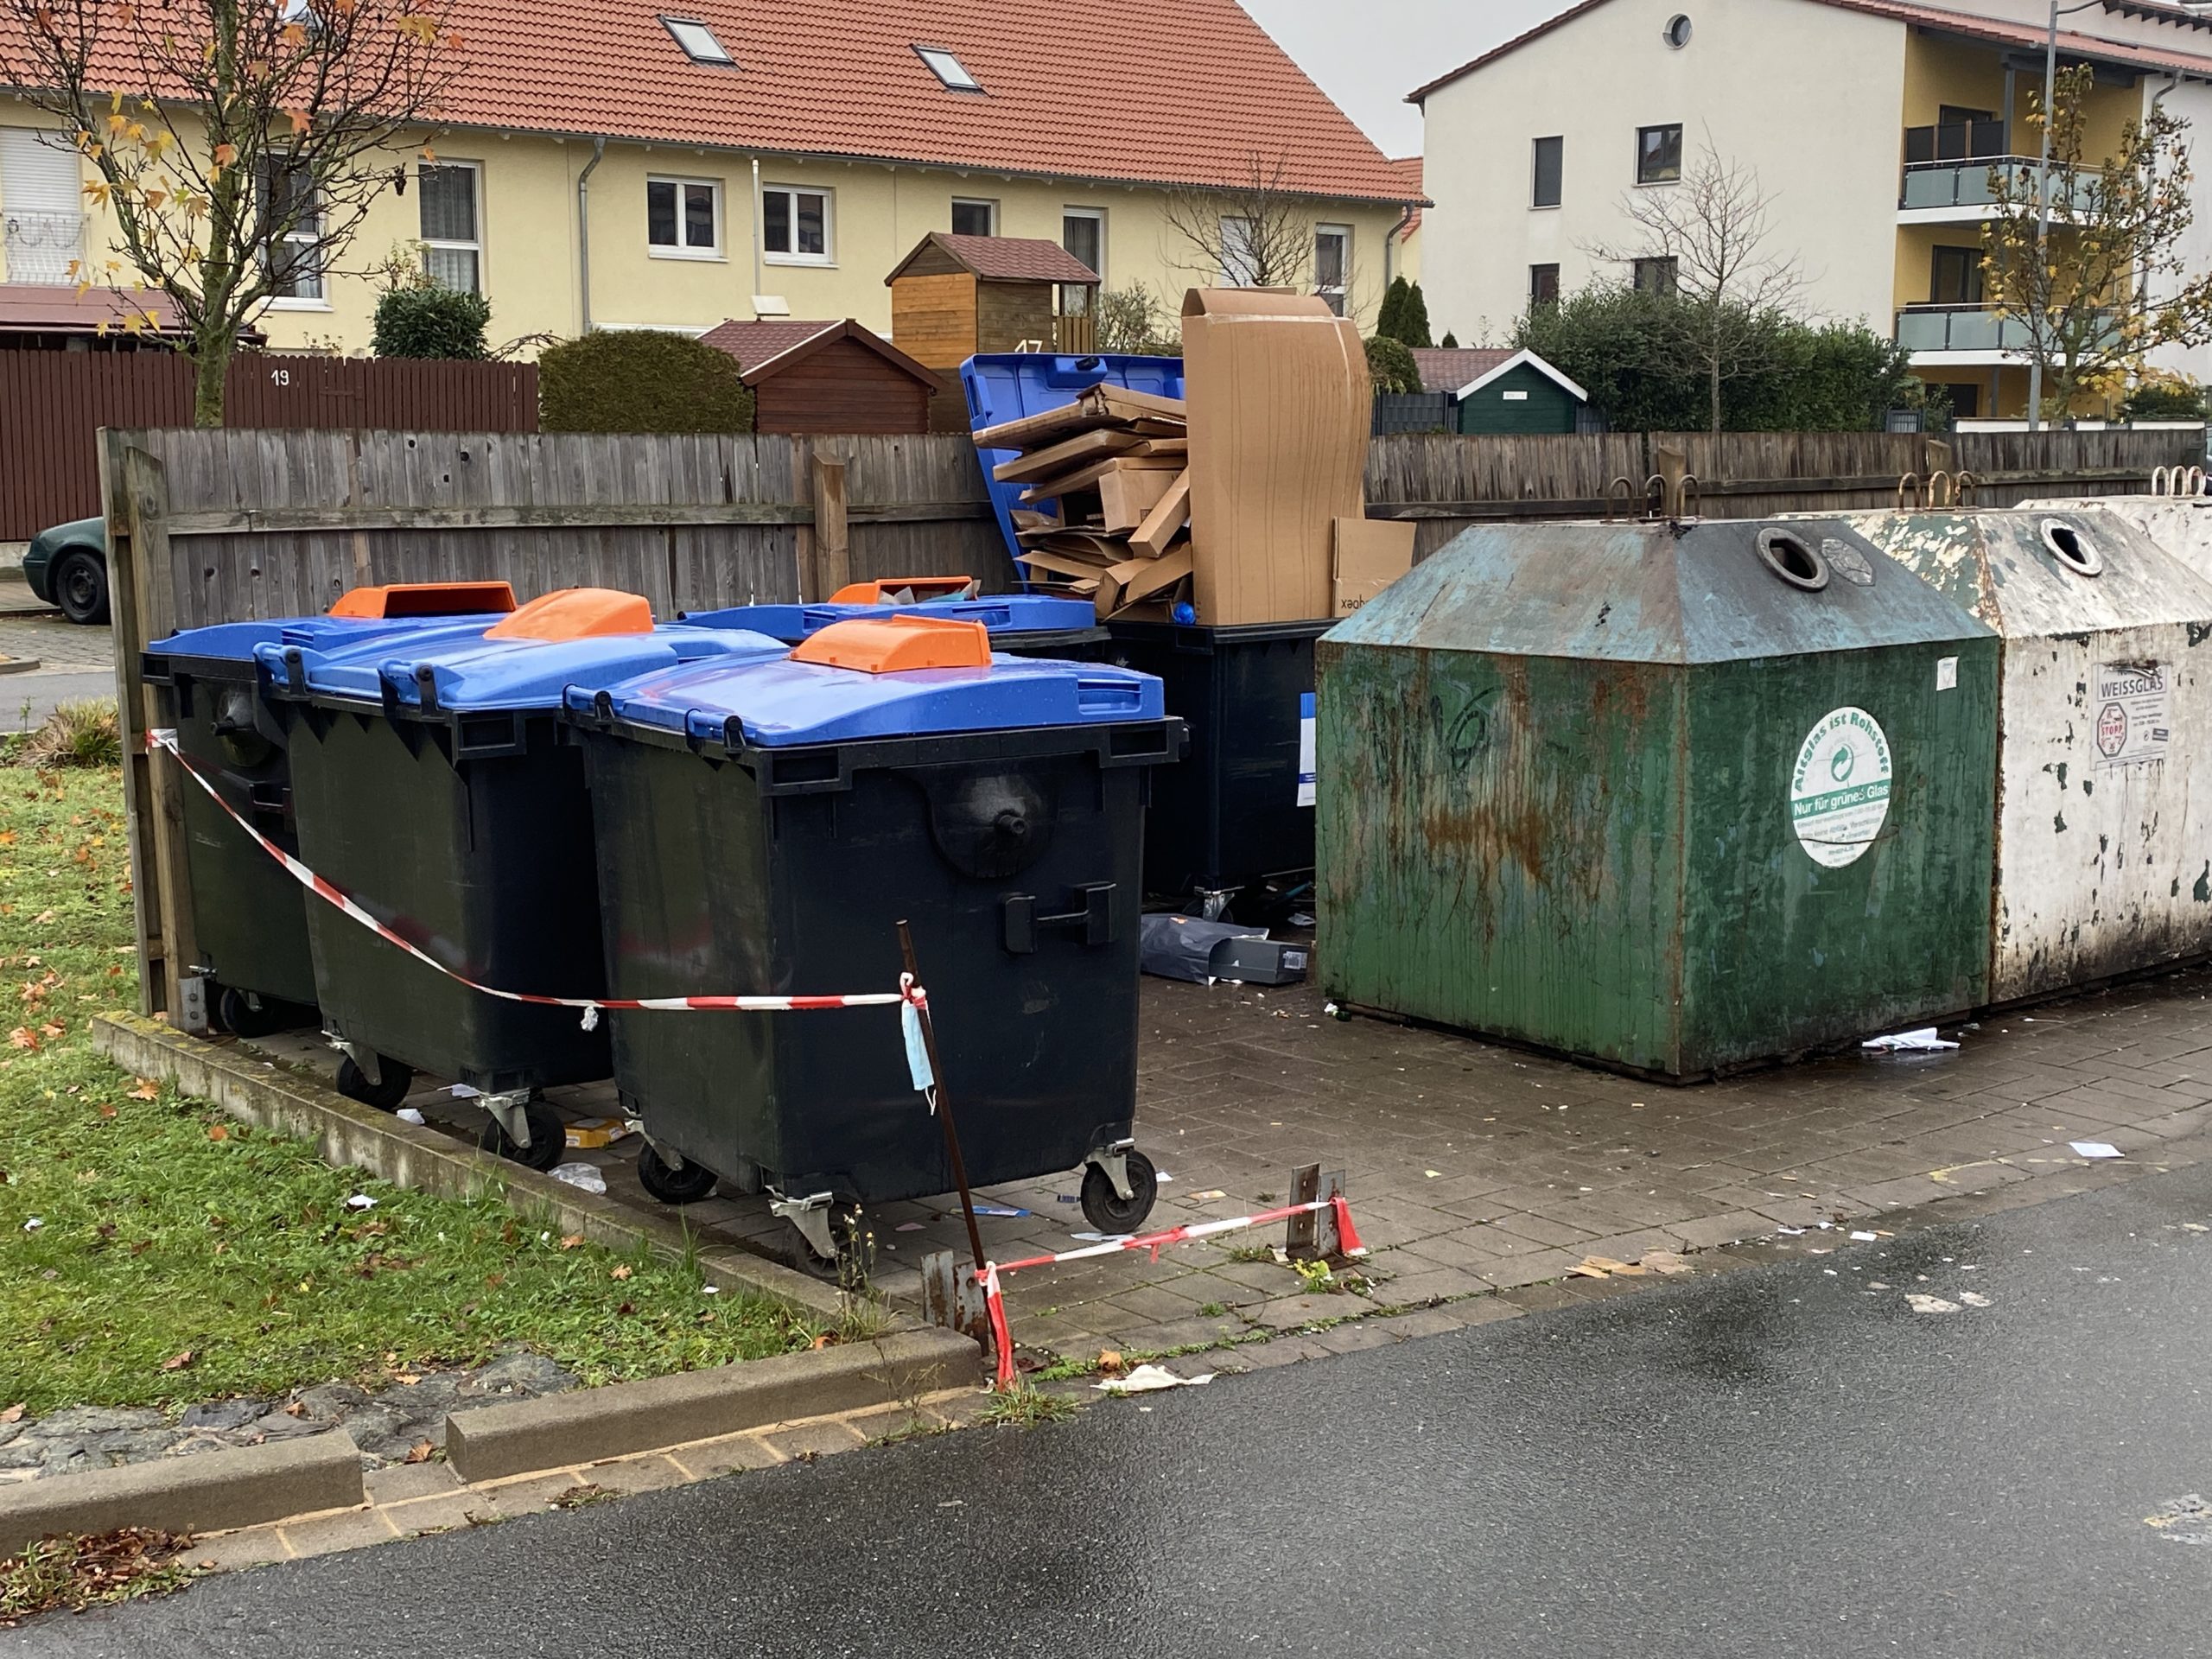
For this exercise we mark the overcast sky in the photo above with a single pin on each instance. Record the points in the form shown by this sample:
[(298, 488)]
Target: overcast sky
[(1369, 57)]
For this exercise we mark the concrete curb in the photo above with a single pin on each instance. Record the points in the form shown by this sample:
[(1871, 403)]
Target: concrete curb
[(349, 1135), (209, 1491), (559, 1430)]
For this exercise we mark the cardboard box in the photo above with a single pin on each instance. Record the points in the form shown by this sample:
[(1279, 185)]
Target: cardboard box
[(1279, 408), (1371, 554), (1135, 580), (1126, 494)]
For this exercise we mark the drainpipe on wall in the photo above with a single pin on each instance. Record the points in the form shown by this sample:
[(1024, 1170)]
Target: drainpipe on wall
[(583, 231), (1390, 242), (757, 288)]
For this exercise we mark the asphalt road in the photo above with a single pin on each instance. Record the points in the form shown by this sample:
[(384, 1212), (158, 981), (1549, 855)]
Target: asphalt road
[(1782, 1462)]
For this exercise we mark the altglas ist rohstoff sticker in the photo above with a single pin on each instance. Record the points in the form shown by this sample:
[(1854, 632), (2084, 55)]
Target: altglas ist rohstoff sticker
[(1840, 788)]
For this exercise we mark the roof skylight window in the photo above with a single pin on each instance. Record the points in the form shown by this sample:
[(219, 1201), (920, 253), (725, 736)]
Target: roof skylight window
[(948, 69), (698, 41)]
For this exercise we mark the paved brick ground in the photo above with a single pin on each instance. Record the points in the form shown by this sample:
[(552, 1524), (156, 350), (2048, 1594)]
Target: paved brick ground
[(1477, 1169), (31, 630)]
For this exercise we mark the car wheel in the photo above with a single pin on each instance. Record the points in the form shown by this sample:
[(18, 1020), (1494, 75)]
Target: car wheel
[(81, 586)]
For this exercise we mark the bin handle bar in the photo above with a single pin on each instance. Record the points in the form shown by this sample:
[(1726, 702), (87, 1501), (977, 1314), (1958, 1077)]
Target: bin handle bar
[(332, 894)]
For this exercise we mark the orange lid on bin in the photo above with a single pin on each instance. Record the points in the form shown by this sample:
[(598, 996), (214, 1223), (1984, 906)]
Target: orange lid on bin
[(426, 598), (885, 591), (577, 613), (893, 645)]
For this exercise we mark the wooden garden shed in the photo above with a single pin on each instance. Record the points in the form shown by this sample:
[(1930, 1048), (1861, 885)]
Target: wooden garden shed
[(954, 296), (827, 376), (1522, 394)]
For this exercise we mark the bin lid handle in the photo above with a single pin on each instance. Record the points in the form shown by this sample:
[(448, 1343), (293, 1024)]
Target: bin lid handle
[(577, 613), (425, 599), (894, 645)]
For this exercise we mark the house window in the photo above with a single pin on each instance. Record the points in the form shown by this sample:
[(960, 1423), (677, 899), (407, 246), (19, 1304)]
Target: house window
[(1551, 158), (698, 42), (948, 69), (974, 218), (292, 211), (684, 218), (796, 227), (1083, 233), (1543, 284), (1240, 252), (1956, 278), (452, 246), (1332, 263), (1659, 154), (1657, 276)]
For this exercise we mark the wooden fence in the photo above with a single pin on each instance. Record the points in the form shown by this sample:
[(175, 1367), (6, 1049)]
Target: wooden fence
[(49, 468), (211, 526)]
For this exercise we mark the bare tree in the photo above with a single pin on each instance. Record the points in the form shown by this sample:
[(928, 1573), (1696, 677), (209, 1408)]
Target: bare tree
[(1252, 232), (238, 143), (1706, 240), (2099, 279)]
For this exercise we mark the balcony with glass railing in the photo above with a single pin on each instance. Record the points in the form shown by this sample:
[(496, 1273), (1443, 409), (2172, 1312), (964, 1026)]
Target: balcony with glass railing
[(38, 246), (1948, 169), (1968, 328)]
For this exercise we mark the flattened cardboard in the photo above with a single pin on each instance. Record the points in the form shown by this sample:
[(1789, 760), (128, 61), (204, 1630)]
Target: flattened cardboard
[(1051, 489), (1280, 410), (1067, 455), (1165, 520), (1371, 554), (1126, 493), (1136, 580), (1096, 406)]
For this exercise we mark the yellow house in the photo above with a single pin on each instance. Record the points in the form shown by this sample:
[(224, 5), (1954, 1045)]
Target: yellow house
[(614, 166)]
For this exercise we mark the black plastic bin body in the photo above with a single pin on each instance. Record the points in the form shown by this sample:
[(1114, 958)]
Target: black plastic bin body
[(727, 866), (459, 819), (249, 916), (1232, 815)]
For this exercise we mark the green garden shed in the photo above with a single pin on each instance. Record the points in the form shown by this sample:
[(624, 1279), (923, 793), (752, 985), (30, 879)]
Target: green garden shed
[(1523, 394)]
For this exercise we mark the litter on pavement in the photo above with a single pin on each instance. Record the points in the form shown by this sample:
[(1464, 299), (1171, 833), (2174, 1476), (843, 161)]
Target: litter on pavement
[(1149, 1379), (1913, 1041), (1920, 1302), (408, 1115), (2097, 1149), (583, 1177)]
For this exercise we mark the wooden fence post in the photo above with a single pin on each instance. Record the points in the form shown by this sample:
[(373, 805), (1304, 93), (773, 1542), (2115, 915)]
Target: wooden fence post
[(833, 553)]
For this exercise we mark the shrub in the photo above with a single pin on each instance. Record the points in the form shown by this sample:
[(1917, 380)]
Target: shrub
[(1393, 308), (641, 380), (1450, 341), (2161, 396), (75, 734), (1413, 321), (431, 322), (1134, 320), (1391, 365)]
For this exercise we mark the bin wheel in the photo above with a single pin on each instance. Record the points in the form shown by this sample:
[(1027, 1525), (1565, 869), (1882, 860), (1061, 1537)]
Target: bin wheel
[(1107, 1209), (549, 1137), (686, 1184), (245, 1015), (386, 1097)]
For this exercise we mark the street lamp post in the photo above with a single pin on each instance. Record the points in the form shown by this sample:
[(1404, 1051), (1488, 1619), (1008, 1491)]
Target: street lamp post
[(2043, 203)]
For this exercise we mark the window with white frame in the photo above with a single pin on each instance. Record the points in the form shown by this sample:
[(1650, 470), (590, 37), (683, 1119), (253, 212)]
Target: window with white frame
[(1083, 233), (292, 211), (974, 218), (453, 239), (795, 224), (684, 218), (1240, 252), (1332, 264)]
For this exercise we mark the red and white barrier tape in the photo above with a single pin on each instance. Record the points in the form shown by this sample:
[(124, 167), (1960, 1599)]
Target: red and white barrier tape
[(908, 992), (995, 1303)]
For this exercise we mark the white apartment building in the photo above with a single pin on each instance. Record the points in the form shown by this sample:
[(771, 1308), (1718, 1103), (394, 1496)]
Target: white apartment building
[(1871, 124)]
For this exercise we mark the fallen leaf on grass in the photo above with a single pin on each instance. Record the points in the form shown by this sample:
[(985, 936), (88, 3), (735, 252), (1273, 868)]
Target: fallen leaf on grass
[(827, 1339), (570, 1241), (1109, 1359), (13, 1414), (178, 1361), (145, 1089), (218, 1132), (622, 1272), (106, 1110), (420, 1452), (23, 1037)]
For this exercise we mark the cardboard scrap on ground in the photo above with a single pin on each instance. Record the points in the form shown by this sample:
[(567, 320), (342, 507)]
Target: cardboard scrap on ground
[(1923, 1041), (1603, 1267)]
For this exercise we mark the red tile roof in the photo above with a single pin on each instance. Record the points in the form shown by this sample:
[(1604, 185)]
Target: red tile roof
[(1005, 258), (1448, 370), (1156, 92), (766, 348), (41, 308), (1407, 168), (2004, 30)]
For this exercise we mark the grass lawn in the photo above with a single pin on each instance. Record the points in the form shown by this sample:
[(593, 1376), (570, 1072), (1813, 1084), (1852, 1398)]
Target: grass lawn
[(155, 1252)]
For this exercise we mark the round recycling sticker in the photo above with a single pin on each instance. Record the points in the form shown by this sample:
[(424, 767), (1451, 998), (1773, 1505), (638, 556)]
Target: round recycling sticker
[(1839, 789)]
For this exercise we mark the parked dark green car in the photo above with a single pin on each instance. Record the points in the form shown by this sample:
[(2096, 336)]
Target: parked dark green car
[(67, 566)]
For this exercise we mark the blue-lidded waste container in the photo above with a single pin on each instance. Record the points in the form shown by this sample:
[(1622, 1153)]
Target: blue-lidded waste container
[(1005, 386), (1023, 625), (248, 916), (433, 785), (764, 828)]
